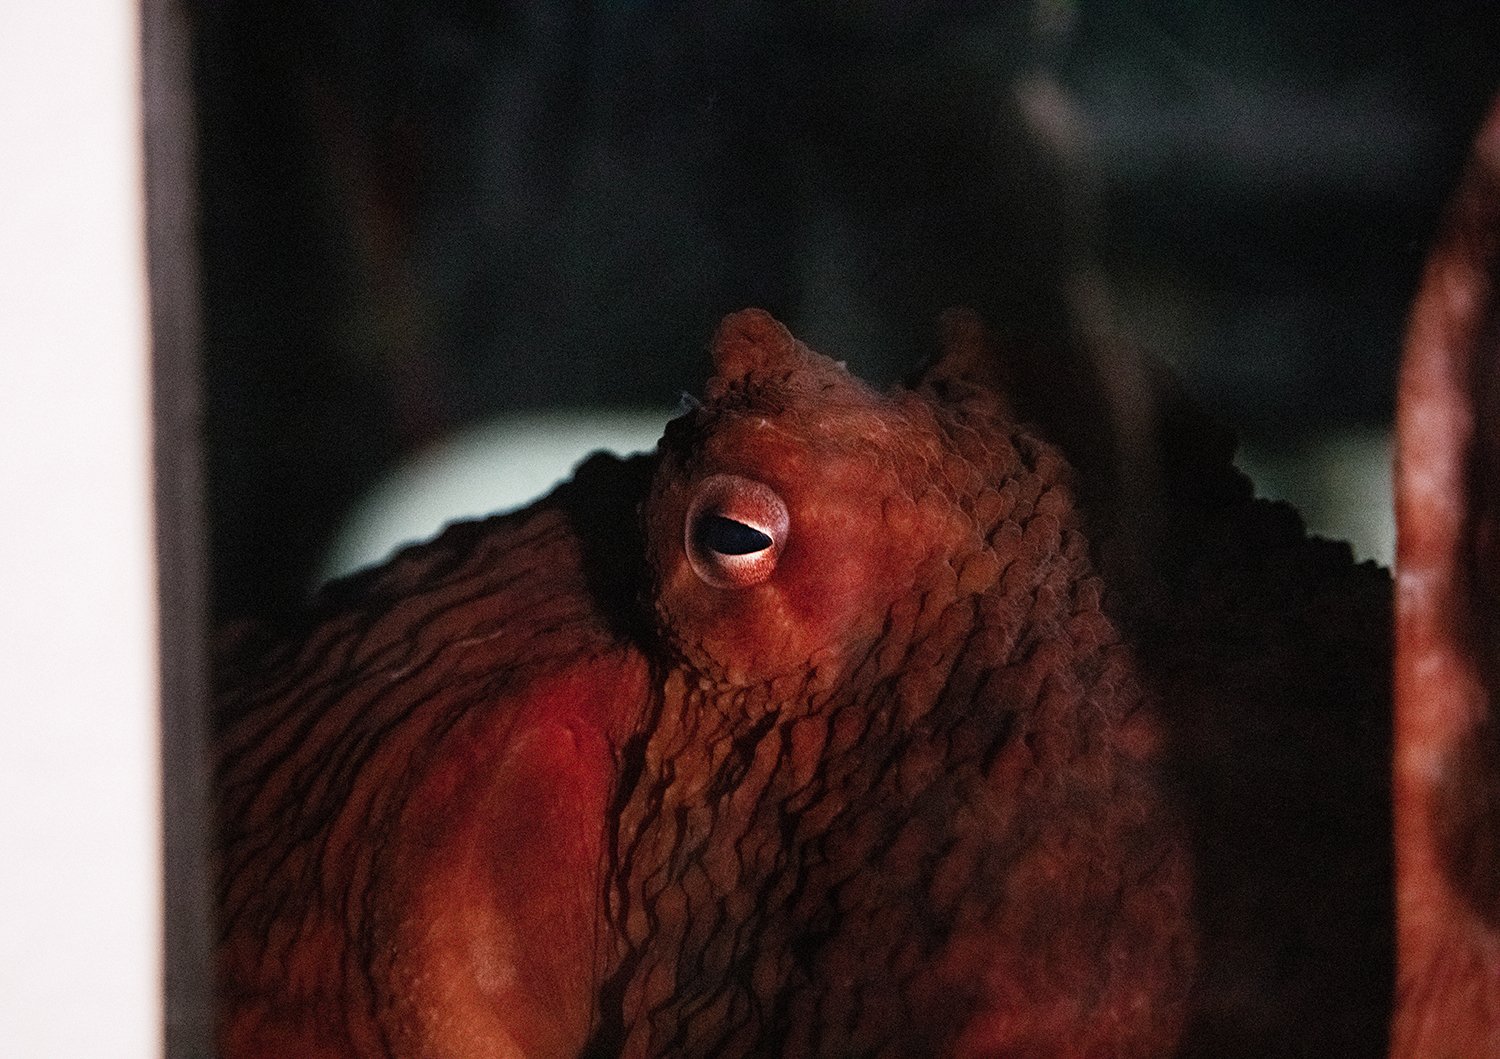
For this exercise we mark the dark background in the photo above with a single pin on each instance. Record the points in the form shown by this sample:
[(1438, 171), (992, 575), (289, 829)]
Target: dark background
[(415, 214)]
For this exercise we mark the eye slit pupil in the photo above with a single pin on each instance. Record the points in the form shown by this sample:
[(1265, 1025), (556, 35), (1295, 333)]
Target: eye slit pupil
[(730, 537)]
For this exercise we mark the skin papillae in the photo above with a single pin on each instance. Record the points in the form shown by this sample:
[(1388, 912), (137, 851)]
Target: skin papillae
[(950, 775), (1447, 760), (942, 777)]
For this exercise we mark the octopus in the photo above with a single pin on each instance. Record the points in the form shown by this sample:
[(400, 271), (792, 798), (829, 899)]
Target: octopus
[(879, 723)]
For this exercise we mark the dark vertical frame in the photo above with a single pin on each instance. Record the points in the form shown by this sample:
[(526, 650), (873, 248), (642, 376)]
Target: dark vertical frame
[(172, 252)]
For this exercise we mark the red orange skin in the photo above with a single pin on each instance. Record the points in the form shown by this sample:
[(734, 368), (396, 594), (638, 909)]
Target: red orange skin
[(932, 787), (1447, 761)]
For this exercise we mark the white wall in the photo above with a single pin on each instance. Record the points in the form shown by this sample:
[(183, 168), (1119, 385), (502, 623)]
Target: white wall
[(80, 897)]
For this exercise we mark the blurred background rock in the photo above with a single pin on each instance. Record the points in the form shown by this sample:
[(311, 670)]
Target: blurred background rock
[(429, 224)]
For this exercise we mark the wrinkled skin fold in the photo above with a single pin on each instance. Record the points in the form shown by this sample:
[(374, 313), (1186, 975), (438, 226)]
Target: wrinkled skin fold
[(930, 775)]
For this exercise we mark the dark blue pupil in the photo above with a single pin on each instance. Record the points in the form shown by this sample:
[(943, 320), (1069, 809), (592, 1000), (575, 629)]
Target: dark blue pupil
[(728, 537)]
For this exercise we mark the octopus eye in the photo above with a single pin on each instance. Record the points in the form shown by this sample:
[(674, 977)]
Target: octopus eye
[(736, 529)]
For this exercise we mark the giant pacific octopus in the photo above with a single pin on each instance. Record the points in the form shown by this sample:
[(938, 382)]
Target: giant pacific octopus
[(859, 723)]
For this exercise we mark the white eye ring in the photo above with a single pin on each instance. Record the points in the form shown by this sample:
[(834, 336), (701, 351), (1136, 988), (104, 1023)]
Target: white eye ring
[(734, 531)]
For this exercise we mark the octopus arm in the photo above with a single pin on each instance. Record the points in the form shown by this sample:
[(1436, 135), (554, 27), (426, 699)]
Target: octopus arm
[(1446, 776)]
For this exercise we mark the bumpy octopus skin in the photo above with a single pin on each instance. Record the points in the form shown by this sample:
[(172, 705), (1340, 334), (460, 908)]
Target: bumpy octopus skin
[(822, 731), (1447, 752)]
